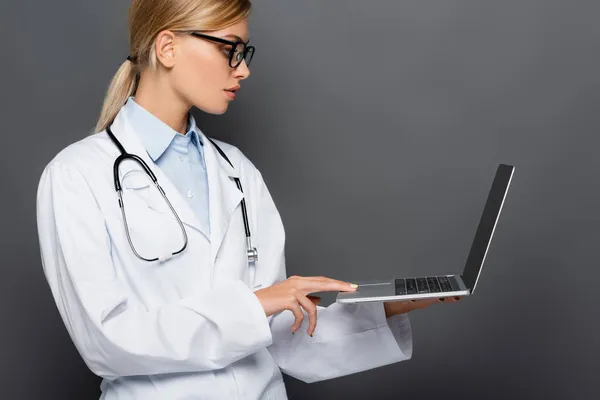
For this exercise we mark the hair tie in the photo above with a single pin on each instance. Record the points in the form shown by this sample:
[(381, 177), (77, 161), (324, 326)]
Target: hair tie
[(129, 58)]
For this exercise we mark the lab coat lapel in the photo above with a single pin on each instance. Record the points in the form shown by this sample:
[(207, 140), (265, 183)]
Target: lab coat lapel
[(224, 196), (124, 132)]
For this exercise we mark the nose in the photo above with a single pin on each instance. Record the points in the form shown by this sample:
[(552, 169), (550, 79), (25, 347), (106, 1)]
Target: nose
[(242, 71)]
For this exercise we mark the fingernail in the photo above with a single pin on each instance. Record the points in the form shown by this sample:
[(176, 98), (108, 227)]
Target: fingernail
[(353, 285), (311, 335)]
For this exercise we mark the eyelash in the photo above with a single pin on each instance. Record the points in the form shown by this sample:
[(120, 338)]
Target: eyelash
[(226, 50)]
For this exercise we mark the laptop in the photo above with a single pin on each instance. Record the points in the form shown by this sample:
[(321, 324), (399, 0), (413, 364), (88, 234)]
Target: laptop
[(439, 286)]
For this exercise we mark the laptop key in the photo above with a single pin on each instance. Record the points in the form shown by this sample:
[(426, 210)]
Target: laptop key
[(422, 285), (445, 284), (433, 284), (400, 287), (411, 286)]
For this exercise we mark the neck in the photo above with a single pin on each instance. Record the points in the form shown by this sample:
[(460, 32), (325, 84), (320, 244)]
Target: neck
[(159, 98)]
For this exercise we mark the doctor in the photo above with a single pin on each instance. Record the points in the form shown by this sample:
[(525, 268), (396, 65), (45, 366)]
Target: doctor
[(171, 280)]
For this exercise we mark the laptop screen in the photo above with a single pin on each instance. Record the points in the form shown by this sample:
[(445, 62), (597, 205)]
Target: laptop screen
[(487, 225)]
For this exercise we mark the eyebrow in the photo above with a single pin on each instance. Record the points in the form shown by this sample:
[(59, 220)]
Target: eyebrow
[(236, 37)]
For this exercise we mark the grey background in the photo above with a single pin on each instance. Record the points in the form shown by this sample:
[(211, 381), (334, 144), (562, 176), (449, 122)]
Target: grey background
[(378, 126)]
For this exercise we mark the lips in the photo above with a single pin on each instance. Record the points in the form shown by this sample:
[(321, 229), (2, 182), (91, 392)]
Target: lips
[(230, 93)]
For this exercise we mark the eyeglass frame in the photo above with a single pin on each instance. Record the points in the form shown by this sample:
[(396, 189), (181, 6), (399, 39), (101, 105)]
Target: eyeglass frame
[(233, 45)]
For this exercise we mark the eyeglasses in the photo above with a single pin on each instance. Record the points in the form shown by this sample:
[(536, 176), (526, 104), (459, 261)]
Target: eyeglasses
[(239, 50)]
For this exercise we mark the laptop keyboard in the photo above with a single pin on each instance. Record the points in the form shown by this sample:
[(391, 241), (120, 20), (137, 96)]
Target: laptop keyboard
[(426, 284)]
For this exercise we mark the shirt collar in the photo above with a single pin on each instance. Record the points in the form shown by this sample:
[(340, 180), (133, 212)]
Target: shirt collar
[(156, 136)]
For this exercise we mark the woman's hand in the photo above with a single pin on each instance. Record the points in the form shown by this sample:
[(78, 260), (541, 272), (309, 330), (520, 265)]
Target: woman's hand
[(401, 307), (291, 294)]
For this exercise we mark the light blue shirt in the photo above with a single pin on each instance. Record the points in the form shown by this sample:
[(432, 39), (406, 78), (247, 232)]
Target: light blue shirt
[(180, 157)]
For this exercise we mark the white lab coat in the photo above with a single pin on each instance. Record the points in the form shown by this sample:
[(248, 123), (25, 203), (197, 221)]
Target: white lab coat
[(189, 327)]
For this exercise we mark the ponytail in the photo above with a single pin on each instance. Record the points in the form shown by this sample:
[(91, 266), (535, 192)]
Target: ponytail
[(121, 87), (146, 20)]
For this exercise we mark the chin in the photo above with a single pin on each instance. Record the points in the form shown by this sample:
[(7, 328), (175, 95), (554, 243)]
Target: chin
[(217, 109), (223, 109)]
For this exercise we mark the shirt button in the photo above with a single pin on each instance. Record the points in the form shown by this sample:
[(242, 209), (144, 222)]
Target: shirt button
[(181, 158), (190, 194)]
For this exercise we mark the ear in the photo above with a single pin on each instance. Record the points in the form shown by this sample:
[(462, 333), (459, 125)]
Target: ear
[(165, 46)]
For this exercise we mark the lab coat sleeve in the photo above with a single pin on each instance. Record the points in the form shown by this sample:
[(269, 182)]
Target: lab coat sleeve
[(198, 333), (349, 338)]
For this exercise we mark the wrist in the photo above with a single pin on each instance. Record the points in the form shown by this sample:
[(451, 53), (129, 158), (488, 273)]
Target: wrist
[(387, 311), (393, 309)]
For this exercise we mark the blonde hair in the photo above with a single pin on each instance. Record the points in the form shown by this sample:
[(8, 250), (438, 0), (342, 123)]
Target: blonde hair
[(147, 18)]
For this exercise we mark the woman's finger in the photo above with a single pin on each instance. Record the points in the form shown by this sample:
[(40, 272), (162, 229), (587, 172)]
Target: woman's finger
[(428, 302), (294, 307), (311, 310), (422, 303), (322, 284)]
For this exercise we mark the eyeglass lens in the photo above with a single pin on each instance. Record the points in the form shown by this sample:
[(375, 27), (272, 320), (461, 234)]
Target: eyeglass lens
[(238, 54)]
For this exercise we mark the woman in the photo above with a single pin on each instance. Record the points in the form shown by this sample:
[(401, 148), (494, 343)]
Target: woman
[(171, 303)]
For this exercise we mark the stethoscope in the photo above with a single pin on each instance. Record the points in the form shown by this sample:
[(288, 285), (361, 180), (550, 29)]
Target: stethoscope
[(251, 251)]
